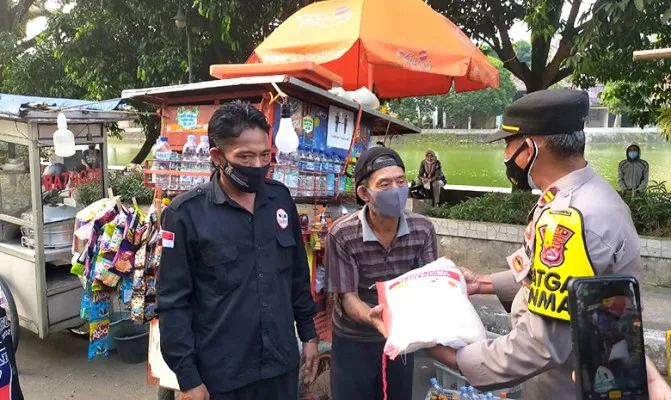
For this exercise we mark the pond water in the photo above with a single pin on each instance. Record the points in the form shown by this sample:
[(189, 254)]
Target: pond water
[(482, 165), (478, 164)]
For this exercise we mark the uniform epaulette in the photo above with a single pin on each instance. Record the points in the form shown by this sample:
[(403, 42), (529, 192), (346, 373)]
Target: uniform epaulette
[(185, 197)]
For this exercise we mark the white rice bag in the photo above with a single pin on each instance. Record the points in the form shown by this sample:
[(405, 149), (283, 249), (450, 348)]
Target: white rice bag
[(428, 306)]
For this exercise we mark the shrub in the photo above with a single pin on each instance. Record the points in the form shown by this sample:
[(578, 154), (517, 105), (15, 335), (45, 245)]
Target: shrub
[(502, 208), (650, 211), (124, 184)]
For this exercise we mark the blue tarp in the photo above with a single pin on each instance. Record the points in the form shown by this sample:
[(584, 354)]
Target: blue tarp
[(11, 104)]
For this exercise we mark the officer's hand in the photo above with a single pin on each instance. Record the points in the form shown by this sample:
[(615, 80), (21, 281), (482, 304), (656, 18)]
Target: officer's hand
[(476, 284), (310, 362), (376, 320), (197, 393)]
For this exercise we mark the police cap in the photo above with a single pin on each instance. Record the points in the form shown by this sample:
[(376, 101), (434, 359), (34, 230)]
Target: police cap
[(546, 112)]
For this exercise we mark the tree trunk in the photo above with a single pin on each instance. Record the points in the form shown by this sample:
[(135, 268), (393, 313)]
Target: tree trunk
[(152, 132)]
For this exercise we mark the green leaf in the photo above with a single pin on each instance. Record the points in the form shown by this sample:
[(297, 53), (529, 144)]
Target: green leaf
[(666, 17), (639, 4)]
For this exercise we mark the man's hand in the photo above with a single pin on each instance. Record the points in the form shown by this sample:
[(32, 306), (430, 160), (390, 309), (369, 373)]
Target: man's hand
[(445, 355), (376, 320), (197, 393), (476, 284), (310, 362)]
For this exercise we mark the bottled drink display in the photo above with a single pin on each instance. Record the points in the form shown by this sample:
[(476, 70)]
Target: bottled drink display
[(203, 160), (163, 156), (175, 165), (189, 163)]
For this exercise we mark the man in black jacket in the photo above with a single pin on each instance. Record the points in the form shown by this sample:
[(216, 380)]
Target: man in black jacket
[(234, 276)]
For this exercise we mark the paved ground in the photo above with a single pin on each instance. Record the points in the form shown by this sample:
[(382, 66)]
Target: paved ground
[(57, 368)]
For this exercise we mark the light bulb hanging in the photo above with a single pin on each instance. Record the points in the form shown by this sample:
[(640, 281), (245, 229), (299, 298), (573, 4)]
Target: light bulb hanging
[(64, 139), (286, 139)]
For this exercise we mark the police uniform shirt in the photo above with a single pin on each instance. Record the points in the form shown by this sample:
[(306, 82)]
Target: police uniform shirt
[(538, 350), (239, 281)]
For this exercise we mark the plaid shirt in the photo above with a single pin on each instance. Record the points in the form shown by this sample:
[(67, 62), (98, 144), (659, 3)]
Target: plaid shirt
[(355, 261)]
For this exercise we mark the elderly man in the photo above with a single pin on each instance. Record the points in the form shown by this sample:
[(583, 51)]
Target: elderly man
[(379, 243), (580, 227)]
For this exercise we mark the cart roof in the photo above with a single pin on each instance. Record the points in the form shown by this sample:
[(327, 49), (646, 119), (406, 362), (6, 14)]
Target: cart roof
[(250, 87), (45, 109)]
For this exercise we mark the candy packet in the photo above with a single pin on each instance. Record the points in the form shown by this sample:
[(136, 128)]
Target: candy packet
[(137, 308), (106, 240), (85, 312), (138, 280), (99, 339), (140, 257), (109, 278), (100, 307), (150, 285), (124, 260), (149, 310), (126, 290)]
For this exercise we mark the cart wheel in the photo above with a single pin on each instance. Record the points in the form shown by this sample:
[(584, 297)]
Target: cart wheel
[(165, 394), (7, 302), (81, 332)]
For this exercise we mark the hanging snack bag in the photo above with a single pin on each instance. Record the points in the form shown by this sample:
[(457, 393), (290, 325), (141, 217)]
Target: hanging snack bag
[(85, 312), (414, 313), (106, 241), (149, 310), (99, 339), (137, 308), (150, 285), (140, 257), (126, 290), (138, 280)]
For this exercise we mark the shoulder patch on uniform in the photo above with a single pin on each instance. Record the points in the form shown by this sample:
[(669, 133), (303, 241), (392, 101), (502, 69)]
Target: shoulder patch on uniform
[(549, 195), (185, 197)]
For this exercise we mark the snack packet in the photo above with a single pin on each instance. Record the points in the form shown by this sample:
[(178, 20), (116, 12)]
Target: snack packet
[(126, 290), (414, 317), (106, 240), (123, 263), (137, 308), (109, 278), (100, 306), (140, 257), (85, 312), (99, 339), (149, 310), (138, 280), (150, 285)]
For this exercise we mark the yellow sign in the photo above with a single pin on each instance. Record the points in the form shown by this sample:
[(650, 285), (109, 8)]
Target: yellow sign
[(560, 254)]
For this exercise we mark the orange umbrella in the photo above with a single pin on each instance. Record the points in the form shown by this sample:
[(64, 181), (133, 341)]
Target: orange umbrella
[(403, 48)]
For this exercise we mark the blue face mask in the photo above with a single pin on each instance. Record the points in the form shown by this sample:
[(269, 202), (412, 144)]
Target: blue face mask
[(389, 203), (633, 154)]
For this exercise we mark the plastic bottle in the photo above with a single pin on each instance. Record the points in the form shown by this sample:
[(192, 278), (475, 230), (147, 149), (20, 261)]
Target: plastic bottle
[(323, 172), (310, 189), (154, 165), (463, 395), (342, 178), (278, 173), (175, 165), (292, 173), (189, 163), (203, 160), (435, 385), (472, 393), (490, 396), (162, 155), (330, 176)]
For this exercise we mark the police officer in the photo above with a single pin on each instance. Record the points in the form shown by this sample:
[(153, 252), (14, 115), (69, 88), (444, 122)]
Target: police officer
[(580, 227), (235, 278)]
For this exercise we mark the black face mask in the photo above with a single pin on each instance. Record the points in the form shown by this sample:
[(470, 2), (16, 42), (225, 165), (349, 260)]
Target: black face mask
[(245, 179), (520, 177)]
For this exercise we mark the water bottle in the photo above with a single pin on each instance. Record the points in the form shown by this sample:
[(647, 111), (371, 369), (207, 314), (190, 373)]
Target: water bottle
[(463, 395), (189, 162), (302, 184), (162, 155), (310, 189), (278, 170), (203, 160), (175, 165), (435, 385), (472, 393), (330, 176), (323, 171), (292, 173), (490, 396), (342, 179)]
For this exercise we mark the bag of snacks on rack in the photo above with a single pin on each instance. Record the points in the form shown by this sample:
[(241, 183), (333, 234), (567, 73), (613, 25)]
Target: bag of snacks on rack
[(428, 306)]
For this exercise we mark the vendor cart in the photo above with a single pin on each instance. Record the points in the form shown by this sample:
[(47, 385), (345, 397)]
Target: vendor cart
[(332, 126), (39, 196)]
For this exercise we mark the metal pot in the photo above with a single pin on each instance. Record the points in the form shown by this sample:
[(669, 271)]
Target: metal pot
[(59, 225)]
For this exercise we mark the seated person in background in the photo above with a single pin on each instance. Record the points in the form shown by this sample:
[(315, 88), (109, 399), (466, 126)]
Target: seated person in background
[(632, 173), (91, 157), (431, 175)]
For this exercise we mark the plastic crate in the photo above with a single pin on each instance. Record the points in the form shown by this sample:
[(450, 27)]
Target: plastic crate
[(453, 395), (451, 380)]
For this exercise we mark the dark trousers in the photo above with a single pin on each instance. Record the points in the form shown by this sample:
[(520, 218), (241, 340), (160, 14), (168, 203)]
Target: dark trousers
[(356, 372), (281, 387)]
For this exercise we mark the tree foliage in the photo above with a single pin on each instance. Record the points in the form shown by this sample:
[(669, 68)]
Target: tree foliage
[(458, 107), (102, 47), (605, 55)]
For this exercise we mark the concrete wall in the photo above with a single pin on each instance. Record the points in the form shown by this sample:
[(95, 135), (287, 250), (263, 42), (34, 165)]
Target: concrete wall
[(484, 246)]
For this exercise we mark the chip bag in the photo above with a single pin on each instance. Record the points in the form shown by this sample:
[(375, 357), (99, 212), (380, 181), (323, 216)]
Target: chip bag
[(428, 306)]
